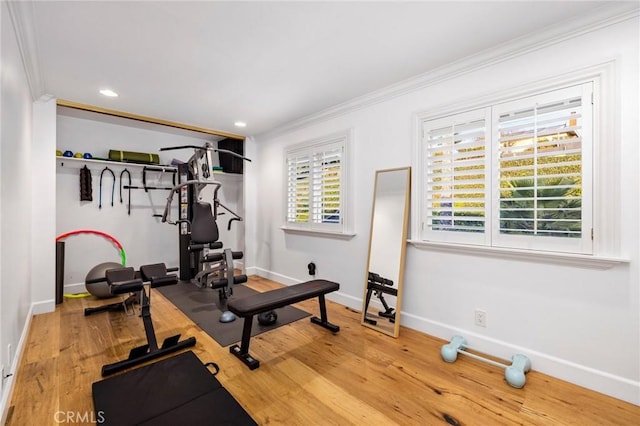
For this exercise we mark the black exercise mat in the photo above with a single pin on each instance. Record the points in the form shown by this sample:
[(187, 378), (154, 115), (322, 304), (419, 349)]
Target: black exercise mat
[(176, 390), (201, 306)]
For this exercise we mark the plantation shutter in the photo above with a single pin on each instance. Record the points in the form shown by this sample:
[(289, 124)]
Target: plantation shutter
[(298, 188), (315, 192), (541, 191), (327, 170), (456, 178)]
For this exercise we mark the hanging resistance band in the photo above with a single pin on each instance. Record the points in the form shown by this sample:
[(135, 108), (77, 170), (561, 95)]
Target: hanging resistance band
[(86, 192), (128, 187), (113, 186)]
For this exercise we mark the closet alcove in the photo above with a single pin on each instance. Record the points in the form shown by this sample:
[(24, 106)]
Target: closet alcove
[(83, 129)]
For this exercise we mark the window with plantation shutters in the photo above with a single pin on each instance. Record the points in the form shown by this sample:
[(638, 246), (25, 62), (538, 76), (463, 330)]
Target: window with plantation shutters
[(316, 185), (516, 174), (456, 171), (543, 162)]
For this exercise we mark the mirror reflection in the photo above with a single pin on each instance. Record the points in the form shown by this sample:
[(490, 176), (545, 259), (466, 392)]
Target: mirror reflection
[(387, 244)]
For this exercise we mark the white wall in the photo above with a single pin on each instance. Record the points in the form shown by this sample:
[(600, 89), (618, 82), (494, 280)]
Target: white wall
[(145, 238), (43, 197), (576, 323), (250, 188), (15, 202)]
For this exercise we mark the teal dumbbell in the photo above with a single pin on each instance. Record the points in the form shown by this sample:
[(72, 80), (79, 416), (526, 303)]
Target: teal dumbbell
[(449, 351), (514, 373)]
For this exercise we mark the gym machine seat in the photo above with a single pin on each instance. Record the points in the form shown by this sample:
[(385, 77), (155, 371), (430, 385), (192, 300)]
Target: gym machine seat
[(123, 280)]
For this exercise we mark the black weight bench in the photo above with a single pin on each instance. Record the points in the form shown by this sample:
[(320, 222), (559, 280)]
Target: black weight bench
[(249, 306)]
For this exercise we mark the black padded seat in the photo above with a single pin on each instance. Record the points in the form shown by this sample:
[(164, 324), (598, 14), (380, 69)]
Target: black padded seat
[(123, 280), (274, 299), (156, 275)]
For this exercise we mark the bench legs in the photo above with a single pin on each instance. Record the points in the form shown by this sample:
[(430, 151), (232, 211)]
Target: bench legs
[(323, 321), (242, 351)]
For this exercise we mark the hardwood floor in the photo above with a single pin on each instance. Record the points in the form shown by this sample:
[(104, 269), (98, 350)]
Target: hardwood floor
[(307, 376)]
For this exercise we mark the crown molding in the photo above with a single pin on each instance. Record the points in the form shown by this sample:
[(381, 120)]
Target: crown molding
[(21, 14), (600, 18)]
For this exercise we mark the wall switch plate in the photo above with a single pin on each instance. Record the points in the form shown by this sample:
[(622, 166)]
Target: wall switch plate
[(481, 318)]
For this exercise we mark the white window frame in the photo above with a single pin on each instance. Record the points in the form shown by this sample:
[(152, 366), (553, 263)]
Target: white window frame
[(581, 245), (427, 234), (606, 224), (339, 140)]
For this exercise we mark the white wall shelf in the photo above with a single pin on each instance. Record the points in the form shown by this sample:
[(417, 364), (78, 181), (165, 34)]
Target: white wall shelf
[(78, 163)]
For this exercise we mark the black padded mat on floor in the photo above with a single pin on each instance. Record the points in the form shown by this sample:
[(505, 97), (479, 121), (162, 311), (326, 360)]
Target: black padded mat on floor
[(201, 306), (177, 390)]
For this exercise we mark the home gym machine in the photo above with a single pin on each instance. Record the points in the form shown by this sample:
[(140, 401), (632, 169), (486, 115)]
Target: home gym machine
[(198, 230), (380, 286)]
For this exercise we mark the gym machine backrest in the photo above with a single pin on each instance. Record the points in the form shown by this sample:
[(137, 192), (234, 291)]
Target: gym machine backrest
[(204, 235), (204, 229)]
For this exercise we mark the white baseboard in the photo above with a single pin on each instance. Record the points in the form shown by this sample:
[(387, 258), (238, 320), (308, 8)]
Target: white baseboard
[(590, 378), (17, 357), (46, 306), (74, 288), (346, 300), (43, 307), (283, 279), (596, 380)]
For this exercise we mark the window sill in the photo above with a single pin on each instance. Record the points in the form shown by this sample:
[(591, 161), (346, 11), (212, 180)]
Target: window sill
[(567, 259), (318, 233)]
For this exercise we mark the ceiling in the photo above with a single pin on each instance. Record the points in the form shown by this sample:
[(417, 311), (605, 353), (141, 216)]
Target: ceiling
[(210, 64)]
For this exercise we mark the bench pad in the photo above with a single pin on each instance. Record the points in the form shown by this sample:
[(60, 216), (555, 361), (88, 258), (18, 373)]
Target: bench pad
[(274, 299)]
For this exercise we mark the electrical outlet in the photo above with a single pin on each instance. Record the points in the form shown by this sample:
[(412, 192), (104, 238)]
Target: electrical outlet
[(481, 318), (312, 268)]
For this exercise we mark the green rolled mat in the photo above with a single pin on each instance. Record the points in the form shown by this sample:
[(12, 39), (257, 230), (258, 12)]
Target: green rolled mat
[(133, 157)]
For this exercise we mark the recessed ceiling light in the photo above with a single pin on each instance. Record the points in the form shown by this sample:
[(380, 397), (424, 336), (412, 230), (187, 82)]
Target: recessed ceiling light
[(240, 124), (108, 92)]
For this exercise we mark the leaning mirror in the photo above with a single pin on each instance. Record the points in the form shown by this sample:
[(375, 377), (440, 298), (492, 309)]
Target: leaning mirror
[(387, 245)]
